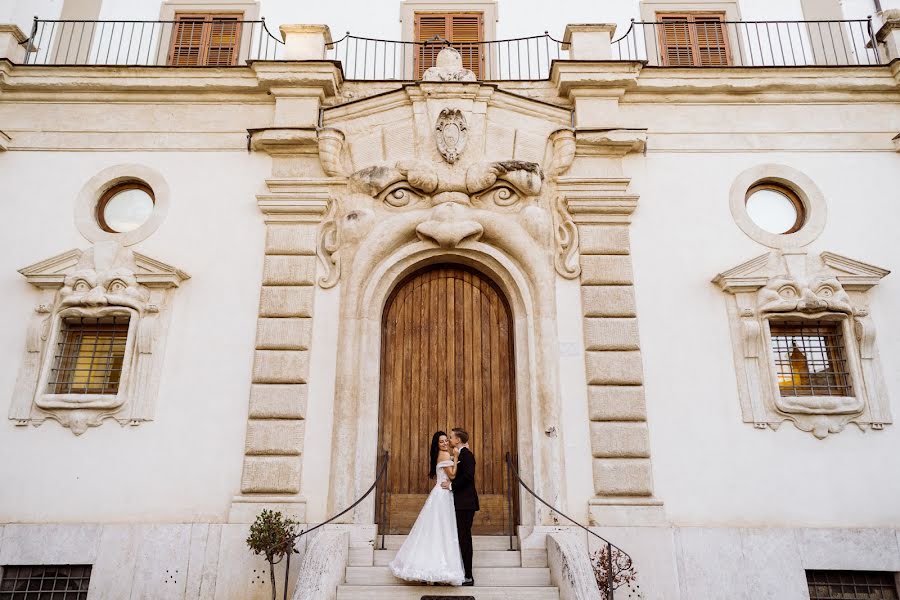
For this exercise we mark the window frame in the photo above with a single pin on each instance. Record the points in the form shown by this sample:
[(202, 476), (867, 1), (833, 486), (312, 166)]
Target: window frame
[(851, 353), (893, 576), (114, 190), (205, 33), (419, 68), (43, 593), (786, 191), (46, 399), (689, 17), (842, 332)]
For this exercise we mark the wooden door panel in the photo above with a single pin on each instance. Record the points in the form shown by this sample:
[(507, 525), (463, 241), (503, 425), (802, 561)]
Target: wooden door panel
[(446, 362)]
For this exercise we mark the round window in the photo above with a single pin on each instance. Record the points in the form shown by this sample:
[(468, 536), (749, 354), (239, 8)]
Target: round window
[(125, 207), (775, 208)]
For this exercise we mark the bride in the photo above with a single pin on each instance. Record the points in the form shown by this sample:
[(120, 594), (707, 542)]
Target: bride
[(431, 551)]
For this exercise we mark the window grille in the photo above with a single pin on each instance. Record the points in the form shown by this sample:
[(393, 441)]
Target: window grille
[(90, 353), (851, 585), (810, 358), (45, 582)]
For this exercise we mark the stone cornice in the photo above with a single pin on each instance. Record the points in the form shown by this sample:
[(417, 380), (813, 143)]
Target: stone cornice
[(597, 200), (284, 140), (609, 142), (611, 76), (322, 78)]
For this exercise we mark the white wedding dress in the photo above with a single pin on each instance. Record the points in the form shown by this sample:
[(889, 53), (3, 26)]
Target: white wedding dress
[(431, 551)]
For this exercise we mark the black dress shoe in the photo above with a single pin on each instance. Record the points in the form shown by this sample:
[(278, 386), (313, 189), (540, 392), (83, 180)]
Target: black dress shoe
[(468, 582)]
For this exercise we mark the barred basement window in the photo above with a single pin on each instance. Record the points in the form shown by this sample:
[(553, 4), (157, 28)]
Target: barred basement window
[(851, 585), (810, 358), (89, 356), (45, 582)]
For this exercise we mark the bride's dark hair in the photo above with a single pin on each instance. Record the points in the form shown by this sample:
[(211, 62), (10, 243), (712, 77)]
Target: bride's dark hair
[(435, 449)]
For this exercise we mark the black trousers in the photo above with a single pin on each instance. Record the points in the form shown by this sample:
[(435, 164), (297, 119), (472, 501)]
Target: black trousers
[(464, 520)]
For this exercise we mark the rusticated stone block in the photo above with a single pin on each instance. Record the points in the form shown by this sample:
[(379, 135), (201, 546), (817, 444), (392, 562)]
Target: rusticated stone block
[(289, 270), (623, 477), (606, 270), (286, 301), (620, 439), (611, 334), (614, 368), (271, 475), (603, 239), (280, 366), (278, 401), (275, 436), (291, 239), (283, 334), (608, 300), (617, 403)]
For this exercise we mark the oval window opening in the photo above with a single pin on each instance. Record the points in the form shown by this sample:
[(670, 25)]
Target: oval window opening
[(125, 207), (774, 208)]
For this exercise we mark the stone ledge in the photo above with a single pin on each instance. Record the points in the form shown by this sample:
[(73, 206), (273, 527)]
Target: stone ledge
[(614, 368), (245, 508), (618, 439), (617, 403), (608, 301), (611, 333), (278, 401)]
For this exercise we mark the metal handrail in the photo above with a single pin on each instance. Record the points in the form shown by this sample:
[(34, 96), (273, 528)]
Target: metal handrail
[(823, 42), (381, 472), (525, 58), (131, 42), (610, 581)]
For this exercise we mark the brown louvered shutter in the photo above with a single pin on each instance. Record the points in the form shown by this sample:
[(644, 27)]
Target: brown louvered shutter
[(205, 40), (465, 35), (187, 40), (692, 40), (463, 30)]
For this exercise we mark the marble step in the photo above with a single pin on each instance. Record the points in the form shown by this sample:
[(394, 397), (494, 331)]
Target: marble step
[(480, 558), (415, 592), (484, 577), (479, 542)]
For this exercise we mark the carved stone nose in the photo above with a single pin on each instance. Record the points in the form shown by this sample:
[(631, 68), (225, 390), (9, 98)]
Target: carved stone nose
[(96, 297), (448, 226)]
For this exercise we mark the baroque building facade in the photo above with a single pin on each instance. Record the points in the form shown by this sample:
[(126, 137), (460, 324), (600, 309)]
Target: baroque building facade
[(252, 267)]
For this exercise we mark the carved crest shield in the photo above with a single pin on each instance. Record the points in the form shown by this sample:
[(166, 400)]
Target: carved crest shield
[(451, 134)]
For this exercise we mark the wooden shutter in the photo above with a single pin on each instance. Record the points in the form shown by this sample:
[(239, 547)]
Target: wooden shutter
[(463, 30), (205, 40), (693, 40)]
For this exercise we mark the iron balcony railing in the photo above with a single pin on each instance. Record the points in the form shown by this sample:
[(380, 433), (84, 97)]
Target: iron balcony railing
[(217, 41), (709, 42), (517, 59)]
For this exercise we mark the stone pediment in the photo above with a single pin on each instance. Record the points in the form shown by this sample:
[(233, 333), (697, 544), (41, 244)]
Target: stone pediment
[(51, 272)]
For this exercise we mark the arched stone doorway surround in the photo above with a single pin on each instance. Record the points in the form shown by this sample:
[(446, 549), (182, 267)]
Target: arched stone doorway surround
[(529, 290)]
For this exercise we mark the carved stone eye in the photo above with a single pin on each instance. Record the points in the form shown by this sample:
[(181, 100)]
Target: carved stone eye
[(81, 286), (400, 196), (788, 292), (825, 291), (116, 286), (501, 196)]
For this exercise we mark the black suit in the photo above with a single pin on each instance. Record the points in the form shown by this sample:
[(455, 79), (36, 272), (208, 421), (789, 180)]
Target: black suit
[(466, 500)]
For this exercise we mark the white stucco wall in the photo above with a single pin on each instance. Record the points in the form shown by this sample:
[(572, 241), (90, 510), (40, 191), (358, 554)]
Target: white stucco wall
[(186, 464)]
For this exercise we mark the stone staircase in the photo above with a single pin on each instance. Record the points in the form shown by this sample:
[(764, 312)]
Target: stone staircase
[(500, 574)]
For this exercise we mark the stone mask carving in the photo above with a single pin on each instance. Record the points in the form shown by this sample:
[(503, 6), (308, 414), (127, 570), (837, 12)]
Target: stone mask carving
[(821, 293)]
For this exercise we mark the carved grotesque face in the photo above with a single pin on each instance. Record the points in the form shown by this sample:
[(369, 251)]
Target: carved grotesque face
[(819, 294), (92, 289)]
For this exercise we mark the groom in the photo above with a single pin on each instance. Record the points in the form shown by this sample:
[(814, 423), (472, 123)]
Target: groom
[(464, 497)]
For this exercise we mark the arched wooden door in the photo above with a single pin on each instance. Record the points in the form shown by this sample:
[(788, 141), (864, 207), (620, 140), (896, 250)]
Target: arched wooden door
[(447, 361)]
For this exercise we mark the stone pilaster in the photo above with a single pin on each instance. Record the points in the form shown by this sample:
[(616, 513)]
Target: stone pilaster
[(601, 209)]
